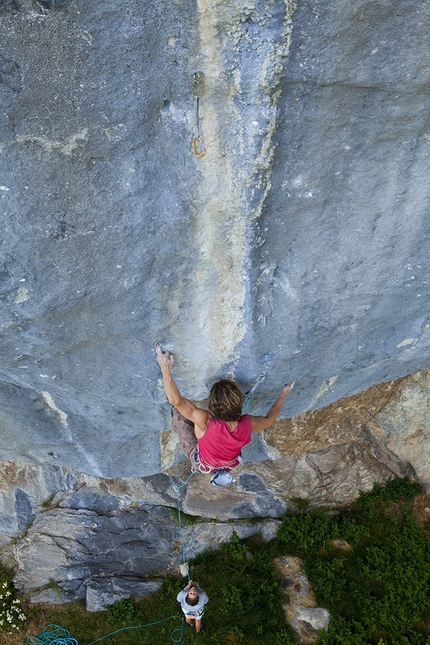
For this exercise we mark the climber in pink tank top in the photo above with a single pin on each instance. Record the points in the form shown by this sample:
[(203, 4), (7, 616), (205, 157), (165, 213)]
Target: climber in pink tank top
[(220, 446), (213, 438)]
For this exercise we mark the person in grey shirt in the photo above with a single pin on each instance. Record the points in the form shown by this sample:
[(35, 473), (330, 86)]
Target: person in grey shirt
[(193, 600)]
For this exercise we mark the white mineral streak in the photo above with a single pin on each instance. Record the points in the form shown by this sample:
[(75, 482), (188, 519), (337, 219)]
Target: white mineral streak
[(238, 104), (220, 226), (65, 147), (22, 295), (267, 89), (324, 387), (59, 414)]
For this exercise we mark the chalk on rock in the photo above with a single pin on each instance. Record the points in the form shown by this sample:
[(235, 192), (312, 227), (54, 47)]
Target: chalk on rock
[(184, 570)]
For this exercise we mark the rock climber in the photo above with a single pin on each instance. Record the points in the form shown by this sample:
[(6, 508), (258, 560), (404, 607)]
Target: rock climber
[(213, 439), (193, 600)]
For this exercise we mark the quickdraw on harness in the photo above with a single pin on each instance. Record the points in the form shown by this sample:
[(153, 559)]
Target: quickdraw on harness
[(198, 145)]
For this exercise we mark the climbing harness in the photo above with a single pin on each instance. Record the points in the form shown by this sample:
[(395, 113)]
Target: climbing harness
[(249, 395), (198, 145), (56, 635)]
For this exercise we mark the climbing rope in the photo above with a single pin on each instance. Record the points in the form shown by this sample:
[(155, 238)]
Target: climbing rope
[(56, 635), (198, 145), (248, 397), (52, 635), (181, 532)]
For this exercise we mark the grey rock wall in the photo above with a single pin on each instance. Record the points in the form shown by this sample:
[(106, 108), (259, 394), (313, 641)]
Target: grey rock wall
[(297, 246)]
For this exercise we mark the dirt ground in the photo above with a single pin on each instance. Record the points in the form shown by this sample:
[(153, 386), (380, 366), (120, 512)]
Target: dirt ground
[(421, 510)]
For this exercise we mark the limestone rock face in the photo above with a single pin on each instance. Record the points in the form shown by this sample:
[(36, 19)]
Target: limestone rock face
[(107, 550), (297, 246), (403, 426)]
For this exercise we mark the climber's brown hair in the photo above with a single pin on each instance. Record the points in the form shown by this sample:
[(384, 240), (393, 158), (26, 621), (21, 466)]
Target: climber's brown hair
[(225, 400), (191, 601)]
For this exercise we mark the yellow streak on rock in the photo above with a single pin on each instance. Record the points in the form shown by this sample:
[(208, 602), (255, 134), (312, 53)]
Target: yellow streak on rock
[(220, 224), (234, 98)]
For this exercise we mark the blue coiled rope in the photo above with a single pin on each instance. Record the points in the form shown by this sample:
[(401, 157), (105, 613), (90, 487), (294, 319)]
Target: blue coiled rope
[(56, 635)]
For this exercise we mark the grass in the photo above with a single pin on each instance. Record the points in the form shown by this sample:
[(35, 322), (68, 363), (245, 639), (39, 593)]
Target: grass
[(245, 603), (378, 591)]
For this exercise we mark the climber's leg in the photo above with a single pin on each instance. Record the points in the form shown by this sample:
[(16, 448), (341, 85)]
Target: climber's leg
[(185, 431)]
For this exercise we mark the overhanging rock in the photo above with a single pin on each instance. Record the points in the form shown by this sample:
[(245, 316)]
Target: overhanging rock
[(297, 246)]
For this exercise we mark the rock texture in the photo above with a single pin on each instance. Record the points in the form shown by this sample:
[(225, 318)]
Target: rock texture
[(98, 539), (403, 426), (297, 246), (95, 550)]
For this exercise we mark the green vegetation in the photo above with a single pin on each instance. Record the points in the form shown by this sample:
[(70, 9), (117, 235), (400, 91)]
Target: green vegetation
[(380, 588), (377, 588)]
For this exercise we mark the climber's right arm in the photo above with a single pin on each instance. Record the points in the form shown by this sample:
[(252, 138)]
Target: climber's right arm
[(262, 423), (187, 408)]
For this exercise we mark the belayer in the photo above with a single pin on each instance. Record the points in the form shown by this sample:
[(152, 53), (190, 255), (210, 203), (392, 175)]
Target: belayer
[(193, 600), (213, 439)]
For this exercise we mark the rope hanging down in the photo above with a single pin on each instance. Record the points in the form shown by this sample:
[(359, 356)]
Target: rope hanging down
[(198, 145), (186, 570)]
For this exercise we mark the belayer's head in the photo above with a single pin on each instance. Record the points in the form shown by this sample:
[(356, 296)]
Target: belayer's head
[(192, 597), (225, 400)]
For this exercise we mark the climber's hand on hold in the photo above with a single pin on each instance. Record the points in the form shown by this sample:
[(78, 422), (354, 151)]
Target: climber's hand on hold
[(164, 359), (262, 423), (288, 387)]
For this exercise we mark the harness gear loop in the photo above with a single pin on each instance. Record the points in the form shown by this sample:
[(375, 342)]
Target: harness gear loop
[(197, 140)]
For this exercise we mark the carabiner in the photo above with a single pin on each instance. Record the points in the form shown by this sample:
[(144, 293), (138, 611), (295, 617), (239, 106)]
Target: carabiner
[(200, 140)]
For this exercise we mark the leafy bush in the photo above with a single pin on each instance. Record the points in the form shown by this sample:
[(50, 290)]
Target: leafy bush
[(121, 610), (303, 534), (235, 548), (379, 589), (393, 491)]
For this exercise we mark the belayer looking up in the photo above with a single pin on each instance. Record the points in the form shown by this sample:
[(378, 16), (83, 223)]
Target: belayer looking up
[(213, 439), (193, 600)]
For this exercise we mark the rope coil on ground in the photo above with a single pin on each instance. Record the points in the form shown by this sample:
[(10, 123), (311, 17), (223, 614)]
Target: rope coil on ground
[(56, 635)]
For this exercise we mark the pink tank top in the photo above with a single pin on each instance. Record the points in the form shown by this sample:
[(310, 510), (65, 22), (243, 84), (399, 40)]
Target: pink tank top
[(220, 447)]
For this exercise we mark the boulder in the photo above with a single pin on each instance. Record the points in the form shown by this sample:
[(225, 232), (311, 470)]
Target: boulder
[(107, 551), (402, 427), (300, 606)]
